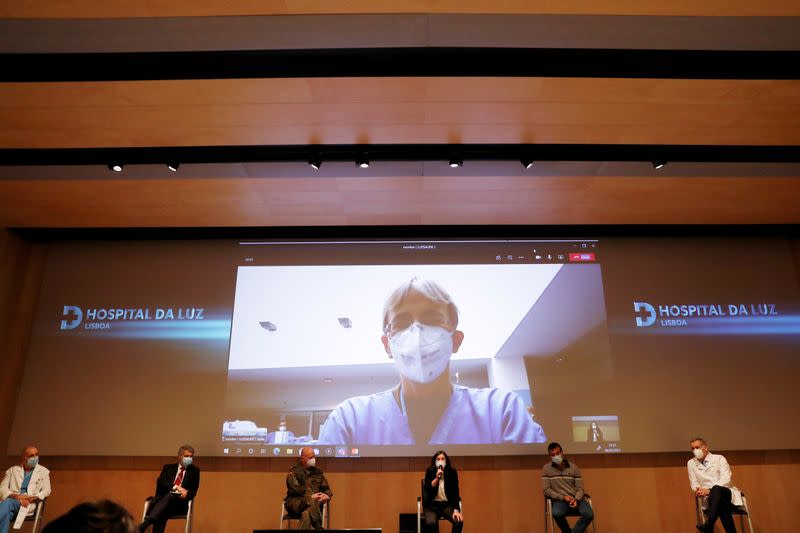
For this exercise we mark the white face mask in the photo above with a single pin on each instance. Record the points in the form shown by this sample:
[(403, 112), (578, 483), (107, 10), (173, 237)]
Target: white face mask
[(440, 464), (698, 452), (186, 461), (422, 352), (558, 459), (311, 462)]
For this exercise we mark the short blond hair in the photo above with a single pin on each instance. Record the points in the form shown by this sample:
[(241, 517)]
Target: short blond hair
[(427, 288)]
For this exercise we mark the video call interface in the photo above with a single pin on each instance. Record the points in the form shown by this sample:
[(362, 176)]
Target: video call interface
[(313, 361), (400, 347)]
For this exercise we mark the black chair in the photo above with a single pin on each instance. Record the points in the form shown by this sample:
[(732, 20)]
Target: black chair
[(420, 510), (740, 510), (550, 523), (187, 516), (287, 517), (36, 517)]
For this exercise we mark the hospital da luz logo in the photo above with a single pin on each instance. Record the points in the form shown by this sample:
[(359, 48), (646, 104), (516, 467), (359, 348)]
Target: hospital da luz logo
[(99, 318), (680, 315)]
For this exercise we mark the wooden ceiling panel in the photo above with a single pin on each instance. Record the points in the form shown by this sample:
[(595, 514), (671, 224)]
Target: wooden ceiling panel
[(399, 111), (399, 200), (206, 8), (388, 89)]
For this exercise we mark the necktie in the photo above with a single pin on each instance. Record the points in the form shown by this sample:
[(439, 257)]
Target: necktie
[(179, 479)]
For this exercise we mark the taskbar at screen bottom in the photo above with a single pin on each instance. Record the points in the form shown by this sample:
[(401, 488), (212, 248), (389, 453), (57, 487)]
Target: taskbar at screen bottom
[(356, 451)]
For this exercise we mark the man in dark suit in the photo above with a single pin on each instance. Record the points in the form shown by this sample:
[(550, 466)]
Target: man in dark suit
[(175, 488)]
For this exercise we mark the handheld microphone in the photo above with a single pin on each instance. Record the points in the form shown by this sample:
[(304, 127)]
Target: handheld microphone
[(440, 467)]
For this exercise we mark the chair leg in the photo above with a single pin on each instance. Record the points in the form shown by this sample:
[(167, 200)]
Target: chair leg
[(594, 520), (749, 522), (36, 519), (545, 519)]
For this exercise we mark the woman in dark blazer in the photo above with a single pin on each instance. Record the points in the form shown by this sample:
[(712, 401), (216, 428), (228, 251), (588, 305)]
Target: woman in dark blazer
[(440, 497), (594, 433)]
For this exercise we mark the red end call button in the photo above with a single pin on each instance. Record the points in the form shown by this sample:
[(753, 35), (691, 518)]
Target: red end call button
[(581, 257)]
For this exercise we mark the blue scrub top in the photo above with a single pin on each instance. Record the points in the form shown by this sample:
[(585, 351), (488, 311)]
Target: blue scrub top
[(473, 416), (26, 480)]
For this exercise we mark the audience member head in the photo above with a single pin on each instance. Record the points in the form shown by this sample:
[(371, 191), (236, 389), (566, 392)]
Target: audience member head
[(104, 516)]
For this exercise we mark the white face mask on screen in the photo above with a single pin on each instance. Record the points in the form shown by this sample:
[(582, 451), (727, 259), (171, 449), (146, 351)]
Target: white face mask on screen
[(422, 352)]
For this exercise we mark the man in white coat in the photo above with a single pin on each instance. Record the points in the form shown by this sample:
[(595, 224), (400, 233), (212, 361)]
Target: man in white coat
[(710, 479), (23, 486)]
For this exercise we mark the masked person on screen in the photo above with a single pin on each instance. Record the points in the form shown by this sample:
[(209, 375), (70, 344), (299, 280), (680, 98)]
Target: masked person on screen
[(307, 490), (23, 487), (594, 434), (282, 436), (710, 479), (440, 493), (563, 484), (420, 334), (176, 486)]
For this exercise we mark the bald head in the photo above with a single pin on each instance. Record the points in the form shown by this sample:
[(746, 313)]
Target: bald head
[(30, 448), (307, 458)]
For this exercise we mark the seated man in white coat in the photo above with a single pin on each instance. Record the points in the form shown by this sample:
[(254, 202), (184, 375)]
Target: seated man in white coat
[(710, 479), (23, 487)]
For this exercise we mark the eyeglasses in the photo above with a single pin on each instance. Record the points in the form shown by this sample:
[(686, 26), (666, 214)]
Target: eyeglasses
[(404, 321)]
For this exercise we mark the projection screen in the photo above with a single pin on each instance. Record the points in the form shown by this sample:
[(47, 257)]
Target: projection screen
[(399, 347)]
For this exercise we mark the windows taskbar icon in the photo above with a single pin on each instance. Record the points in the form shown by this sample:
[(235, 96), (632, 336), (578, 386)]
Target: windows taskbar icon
[(277, 451)]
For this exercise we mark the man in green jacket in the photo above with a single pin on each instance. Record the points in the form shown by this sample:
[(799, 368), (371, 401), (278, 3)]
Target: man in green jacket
[(307, 490)]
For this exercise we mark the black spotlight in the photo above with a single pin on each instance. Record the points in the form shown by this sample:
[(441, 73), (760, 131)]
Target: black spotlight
[(362, 161), (315, 162), (116, 167), (527, 163), (456, 162), (659, 164), (173, 167)]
